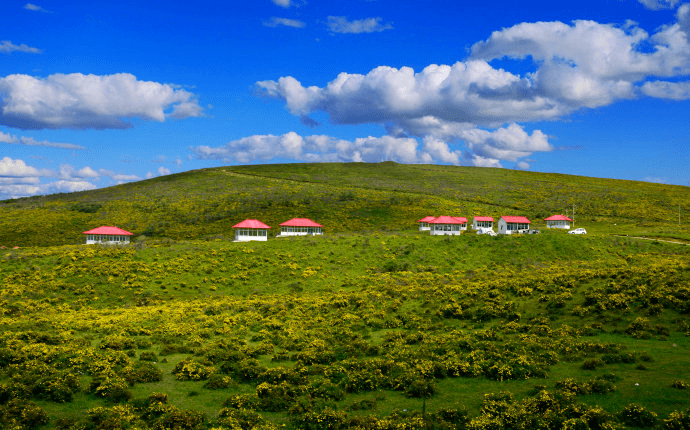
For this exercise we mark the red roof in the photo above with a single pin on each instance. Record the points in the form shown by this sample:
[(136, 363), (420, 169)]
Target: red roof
[(557, 218), (448, 220), (516, 219), (251, 223), (109, 231), (484, 218), (300, 222), (427, 219)]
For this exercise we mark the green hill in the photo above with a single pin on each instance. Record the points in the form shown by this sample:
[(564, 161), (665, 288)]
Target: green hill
[(374, 325), (351, 197)]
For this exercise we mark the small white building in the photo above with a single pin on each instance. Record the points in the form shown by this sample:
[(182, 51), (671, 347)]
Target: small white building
[(424, 223), (485, 222), (558, 221), (447, 225), (513, 224), (251, 229), (107, 235), (300, 227)]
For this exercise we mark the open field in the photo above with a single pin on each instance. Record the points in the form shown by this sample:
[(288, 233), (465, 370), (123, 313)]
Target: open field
[(373, 325)]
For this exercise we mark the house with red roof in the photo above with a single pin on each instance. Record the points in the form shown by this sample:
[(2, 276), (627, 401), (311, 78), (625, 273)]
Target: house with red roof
[(424, 223), (482, 222), (251, 229), (558, 221), (107, 235), (513, 224), (300, 227), (447, 225)]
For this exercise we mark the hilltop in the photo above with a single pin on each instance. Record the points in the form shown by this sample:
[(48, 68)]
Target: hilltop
[(345, 197)]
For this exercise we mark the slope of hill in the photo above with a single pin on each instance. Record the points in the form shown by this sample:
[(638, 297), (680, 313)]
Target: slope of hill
[(378, 327), (343, 197)]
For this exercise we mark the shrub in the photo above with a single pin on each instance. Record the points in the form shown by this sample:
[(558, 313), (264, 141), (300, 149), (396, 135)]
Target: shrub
[(217, 381), (637, 416), (190, 369), (680, 384), (112, 388), (58, 387), (111, 418), (678, 420), (242, 419), (421, 388), (25, 413), (148, 356), (143, 372), (178, 419)]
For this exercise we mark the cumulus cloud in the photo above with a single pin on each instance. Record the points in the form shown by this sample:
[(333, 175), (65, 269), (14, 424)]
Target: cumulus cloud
[(659, 4), (30, 141), (316, 148), (581, 65), (667, 90), (162, 171), (18, 179), (7, 47), (340, 24), (10, 168), (81, 101), (284, 22)]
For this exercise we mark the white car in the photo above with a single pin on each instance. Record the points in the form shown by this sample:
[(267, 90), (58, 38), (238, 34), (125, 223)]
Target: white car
[(578, 231)]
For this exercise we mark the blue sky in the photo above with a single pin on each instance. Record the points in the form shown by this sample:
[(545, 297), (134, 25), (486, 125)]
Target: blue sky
[(93, 94)]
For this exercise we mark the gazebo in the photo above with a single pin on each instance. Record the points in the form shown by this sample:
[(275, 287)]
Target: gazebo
[(447, 225), (107, 235), (558, 221), (250, 229), (424, 223), (300, 227)]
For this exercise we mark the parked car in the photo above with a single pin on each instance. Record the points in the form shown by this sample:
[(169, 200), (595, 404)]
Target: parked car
[(578, 231), (533, 231)]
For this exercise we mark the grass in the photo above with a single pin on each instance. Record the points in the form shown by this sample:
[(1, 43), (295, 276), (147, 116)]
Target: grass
[(349, 321)]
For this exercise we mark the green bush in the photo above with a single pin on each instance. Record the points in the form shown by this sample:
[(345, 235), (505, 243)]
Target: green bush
[(143, 372), (192, 370), (637, 416), (113, 388)]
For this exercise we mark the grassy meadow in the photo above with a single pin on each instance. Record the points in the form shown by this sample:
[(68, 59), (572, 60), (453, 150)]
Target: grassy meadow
[(374, 325)]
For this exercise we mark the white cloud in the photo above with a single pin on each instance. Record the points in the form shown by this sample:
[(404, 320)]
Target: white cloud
[(340, 24), (35, 8), (667, 90), (89, 101), (285, 22), (656, 180), (575, 66), (522, 165), (30, 141), (162, 171), (69, 173), (659, 4), (316, 148), (17, 179), (120, 178), (287, 3), (18, 168), (7, 47)]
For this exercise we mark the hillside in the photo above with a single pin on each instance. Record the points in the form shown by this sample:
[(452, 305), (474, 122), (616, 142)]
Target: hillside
[(373, 325), (351, 197)]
